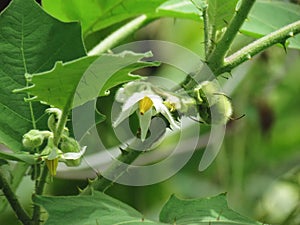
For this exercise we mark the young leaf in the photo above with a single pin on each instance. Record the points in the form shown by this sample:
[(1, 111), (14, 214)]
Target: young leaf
[(58, 86), (212, 210), (262, 21), (22, 157), (103, 13), (98, 208), (31, 42)]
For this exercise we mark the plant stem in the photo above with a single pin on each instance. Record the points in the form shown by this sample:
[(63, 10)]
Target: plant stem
[(118, 35), (13, 201), (40, 183), (39, 189), (117, 167), (207, 33), (18, 172), (61, 124), (128, 156), (246, 53), (216, 58)]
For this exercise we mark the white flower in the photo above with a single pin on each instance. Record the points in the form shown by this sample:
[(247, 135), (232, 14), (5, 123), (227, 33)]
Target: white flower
[(148, 104)]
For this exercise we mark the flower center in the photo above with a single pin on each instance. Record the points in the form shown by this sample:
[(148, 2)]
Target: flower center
[(145, 104)]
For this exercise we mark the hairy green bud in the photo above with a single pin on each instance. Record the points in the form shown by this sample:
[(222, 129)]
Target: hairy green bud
[(33, 139), (69, 144)]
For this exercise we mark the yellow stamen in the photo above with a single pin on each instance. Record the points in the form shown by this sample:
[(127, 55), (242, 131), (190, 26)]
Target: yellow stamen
[(170, 106), (145, 104), (52, 166)]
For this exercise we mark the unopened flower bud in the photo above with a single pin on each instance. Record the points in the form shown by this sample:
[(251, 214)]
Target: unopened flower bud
[(69, 144), (33, 139)]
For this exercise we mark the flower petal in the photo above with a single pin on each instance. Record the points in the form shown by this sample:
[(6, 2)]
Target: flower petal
[(74, 155), (145, 121), (124, 114), (135, 98)]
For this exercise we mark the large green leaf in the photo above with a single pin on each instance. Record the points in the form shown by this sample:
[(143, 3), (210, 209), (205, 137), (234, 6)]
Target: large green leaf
[(268, 16), (96, 209), (58, 86), (102, 13), (100, 208), (220, 12), (31, 41), (22, 157), (212, 210)]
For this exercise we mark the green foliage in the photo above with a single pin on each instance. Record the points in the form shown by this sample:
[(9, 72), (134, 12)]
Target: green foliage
[(31, 41), (269, 16), (103, 13), (212, 210), (100, 208), (23, 157), (58, 86), (97, 208), (46, 58), (220, 13)]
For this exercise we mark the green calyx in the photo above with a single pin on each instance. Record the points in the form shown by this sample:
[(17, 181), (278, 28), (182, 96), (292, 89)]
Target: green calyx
[(214, 107)]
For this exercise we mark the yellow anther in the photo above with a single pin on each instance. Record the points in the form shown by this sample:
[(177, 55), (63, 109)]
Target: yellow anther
[(170, 106), (145, 104), (52, 166)]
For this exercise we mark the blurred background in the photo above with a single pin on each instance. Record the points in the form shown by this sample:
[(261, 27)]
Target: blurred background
[(259, 163)]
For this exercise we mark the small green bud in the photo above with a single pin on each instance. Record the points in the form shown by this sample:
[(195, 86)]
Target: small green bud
[(33, 139), (72, 162), (69, 144)]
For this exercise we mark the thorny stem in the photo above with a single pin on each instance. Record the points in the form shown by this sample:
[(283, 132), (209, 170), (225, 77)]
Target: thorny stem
[(122, 163), (119, 35), (118, 167), (216, 58), (40, 183), (13, 201), (39, 189), (246, 53), (207, 33)]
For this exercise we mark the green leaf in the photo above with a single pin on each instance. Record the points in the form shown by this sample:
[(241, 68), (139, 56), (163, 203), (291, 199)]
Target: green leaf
[(102, 13), (212, 210), (179, 9), (31, 42), (98, 208), (58, 86), (21, 157), (268, 16), (220, 12)]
